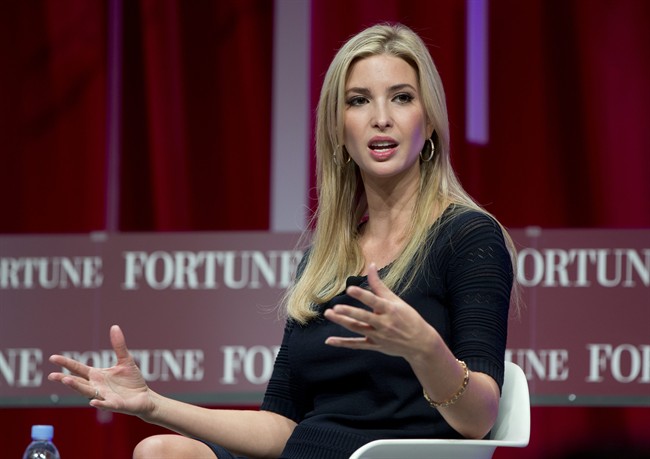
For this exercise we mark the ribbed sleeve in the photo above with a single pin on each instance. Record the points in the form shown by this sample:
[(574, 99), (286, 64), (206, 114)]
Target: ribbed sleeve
[(282, 394), (479, 281)]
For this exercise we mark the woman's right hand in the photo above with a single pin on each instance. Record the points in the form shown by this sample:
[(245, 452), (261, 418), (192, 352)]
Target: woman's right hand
[(120, 388)]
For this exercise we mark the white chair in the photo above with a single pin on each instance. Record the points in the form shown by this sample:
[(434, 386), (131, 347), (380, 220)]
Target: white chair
[(512, 428)]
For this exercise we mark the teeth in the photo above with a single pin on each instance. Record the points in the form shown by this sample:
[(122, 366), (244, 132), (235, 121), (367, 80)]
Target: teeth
[(382, 146)]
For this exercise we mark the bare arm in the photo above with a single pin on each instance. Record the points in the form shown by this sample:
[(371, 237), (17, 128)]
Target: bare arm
[(475, 412), (122, 389), (258, 434)]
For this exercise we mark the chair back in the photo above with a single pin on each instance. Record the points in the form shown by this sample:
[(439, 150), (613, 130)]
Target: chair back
[(513, 421), (512, 428)]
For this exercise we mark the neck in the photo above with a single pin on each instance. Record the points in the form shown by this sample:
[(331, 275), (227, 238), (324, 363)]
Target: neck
[(390, 209)]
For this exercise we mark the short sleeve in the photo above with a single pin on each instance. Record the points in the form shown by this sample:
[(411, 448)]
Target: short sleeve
[(282, 395), (479, 280)]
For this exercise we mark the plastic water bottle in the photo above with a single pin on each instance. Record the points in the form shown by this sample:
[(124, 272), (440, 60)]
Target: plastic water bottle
[(41, 446)]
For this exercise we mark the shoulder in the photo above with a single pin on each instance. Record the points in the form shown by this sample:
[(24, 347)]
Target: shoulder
[(467, 235), (460, 223)]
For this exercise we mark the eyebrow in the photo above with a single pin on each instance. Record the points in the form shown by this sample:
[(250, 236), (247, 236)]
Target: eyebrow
[(394, 88)]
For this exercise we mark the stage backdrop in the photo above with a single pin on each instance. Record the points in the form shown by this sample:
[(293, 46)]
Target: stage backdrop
[(199, 312), (568, 140)]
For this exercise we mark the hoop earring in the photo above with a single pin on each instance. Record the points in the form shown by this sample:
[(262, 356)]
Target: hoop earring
[(343, 152), (432, 151)]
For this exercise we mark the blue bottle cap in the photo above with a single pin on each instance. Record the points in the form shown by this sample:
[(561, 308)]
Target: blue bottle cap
[(42, 432)]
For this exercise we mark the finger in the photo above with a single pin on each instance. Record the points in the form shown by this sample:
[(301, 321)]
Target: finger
[(74, 367), (350, 343), (55, 376), (354, 319), (79, 385), (101, 404), (119, 343), (376, 284), (368, 298), (377, 296)]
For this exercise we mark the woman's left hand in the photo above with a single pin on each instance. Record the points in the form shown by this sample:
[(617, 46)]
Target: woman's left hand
[(392, 326)]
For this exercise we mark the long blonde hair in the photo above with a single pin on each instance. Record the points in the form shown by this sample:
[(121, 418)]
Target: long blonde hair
[(335, 253)]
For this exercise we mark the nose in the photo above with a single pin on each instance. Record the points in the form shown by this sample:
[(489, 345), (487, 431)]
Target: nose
[(381, 118)]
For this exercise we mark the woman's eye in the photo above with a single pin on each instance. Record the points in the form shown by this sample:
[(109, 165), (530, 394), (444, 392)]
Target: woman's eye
[(356, 100), (403, 98)]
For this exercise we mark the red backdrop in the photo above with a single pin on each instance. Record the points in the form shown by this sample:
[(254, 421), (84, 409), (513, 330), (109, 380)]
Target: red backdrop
[(569, 104)]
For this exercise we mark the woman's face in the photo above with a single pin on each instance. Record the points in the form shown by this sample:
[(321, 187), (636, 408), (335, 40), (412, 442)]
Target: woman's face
[(385, 125)]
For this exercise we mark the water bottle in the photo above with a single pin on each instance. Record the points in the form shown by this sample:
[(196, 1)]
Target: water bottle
[(41, 446)]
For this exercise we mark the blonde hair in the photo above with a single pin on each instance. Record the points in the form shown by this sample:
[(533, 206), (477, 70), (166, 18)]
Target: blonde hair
[(335, 253)]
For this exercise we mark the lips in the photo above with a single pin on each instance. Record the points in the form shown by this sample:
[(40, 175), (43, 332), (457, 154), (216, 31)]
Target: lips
[(382, 148)]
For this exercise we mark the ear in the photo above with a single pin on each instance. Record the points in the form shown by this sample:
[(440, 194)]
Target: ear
[(430, 128), (433, 136)]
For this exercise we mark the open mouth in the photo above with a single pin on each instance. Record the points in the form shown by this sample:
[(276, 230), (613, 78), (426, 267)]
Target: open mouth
[(382, 147)]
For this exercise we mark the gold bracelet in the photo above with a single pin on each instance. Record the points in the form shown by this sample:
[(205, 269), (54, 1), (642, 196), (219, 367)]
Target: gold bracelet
[(454, 398)]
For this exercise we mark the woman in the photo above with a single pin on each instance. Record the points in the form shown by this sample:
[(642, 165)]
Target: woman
[(434, 317)]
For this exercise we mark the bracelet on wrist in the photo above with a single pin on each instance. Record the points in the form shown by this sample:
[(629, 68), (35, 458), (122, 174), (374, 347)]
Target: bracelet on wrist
[(454, 398)]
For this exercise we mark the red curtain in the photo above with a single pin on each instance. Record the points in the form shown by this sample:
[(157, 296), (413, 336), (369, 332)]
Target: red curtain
[(195, 130), (52, 116), (569, 104), (569, 109), (196, 111)]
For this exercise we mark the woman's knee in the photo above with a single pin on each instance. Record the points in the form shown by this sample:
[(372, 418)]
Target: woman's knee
[(171, 446)]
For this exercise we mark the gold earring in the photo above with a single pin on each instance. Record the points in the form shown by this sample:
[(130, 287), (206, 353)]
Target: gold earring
[(432, 150)]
